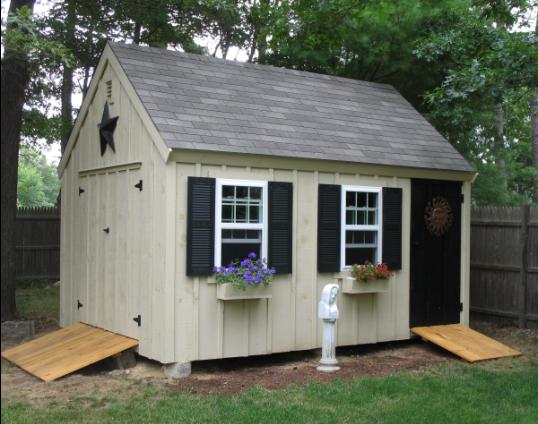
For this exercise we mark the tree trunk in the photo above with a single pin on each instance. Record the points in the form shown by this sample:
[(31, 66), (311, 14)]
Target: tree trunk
[(137, 31), (534, 138), (14, 81), (534, 129), (67, 77), (499, 142)]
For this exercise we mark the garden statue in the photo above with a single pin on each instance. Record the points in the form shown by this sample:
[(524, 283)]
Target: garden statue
[(328, 312)]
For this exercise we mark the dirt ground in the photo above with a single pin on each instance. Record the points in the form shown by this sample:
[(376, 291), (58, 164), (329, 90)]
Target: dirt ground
[(232, 376)]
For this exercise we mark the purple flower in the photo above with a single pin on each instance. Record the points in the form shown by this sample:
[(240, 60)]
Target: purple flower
[(252, 255)]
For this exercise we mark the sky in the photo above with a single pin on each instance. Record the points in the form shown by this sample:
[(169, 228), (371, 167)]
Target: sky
[(41, 8)]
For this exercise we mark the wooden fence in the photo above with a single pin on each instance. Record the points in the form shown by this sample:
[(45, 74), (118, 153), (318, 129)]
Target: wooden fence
[(504, 263), (38, 243)]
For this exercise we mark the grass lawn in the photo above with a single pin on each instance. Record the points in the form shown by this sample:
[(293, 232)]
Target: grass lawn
[(503, 391), (457, 394)]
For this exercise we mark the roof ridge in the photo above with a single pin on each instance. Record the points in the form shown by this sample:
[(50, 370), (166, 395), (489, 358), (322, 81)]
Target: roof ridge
[(257, 66)]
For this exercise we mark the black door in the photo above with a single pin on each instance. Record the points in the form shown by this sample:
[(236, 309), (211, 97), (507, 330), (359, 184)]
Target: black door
[(435, 252)]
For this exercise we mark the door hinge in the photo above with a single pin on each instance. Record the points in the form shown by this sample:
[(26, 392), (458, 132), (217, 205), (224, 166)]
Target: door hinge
[(139, 185), (80, 191), (138, 320), (79, 305)]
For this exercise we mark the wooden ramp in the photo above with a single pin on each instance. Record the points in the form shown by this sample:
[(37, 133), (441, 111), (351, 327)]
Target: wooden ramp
[(464, 342), (67, 350)]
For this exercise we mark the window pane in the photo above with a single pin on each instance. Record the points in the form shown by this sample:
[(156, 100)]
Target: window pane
[(243, 236), (361, 218), (227, 213), (350, 199), (241, 204), (255, 193), (241, 192), (228, 192), (237, 244), (361, 200), (254, 214), (350, 217), (361, 238), (372, 200), (372, 218), (359, 255)]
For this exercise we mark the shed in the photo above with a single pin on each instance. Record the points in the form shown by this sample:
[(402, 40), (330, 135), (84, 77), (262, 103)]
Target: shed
[(179, 162)]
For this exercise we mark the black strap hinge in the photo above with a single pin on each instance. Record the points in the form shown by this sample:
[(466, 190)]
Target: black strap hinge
[(80, 191), (79, 305), (138, 320), (139, 185)]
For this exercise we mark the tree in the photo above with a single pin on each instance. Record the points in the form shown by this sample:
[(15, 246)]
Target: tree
[(481, 106), (38, 183), (15, 76), (25, 53)]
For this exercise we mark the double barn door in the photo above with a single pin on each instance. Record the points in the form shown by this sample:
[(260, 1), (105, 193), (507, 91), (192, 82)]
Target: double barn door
[(110, 240)]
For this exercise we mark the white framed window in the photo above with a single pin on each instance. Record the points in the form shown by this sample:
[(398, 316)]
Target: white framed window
[(361, 225), (240, 220)]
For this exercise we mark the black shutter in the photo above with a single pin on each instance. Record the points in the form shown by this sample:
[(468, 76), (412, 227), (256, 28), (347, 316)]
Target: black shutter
[(280, 211), (201, 226), (329, 225), (392, 227)]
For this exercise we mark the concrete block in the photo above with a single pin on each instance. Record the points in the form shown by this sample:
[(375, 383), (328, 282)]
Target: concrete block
[(124, 360), (177, 370)]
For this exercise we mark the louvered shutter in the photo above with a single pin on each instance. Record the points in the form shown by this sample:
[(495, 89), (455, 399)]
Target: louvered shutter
[(392, 227), (201, 226), (280, 211), (329, 225)]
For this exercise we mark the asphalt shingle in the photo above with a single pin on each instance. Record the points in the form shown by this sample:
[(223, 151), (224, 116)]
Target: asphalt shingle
[(210, 104)]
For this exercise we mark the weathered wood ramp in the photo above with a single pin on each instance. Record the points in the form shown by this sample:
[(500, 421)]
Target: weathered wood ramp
[(67, 350), (464, 342)]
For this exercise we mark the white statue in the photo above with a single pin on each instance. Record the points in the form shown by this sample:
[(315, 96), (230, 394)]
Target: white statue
[(328, 312)]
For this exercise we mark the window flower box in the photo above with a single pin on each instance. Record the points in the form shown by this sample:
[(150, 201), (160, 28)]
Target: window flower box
[(352, 286), (231, 292), (246, 279), (367, 278)]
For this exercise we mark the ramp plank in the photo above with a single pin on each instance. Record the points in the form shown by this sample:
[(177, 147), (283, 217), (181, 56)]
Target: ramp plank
[(67, 350), (465, 342)]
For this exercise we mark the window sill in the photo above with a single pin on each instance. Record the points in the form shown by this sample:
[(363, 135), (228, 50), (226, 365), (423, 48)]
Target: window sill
[(229, 292)]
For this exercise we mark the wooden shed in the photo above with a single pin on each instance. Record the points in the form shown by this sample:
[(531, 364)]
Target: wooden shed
[(179, 162)]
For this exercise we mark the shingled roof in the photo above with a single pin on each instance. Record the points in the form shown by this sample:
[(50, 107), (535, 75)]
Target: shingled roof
[(203, 103)]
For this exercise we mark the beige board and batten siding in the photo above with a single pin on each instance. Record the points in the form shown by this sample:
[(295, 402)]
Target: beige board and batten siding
[(129, 271), (209, 328)]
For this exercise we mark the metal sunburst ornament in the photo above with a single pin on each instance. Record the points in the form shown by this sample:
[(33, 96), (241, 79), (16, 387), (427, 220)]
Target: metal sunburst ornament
[(438, 216), (106, 130)]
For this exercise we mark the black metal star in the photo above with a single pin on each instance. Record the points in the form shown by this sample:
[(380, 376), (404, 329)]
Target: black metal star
[(106, 130)]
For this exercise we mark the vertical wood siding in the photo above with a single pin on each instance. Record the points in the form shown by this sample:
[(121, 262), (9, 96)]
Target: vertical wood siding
[(130, 270), (208, 328)]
